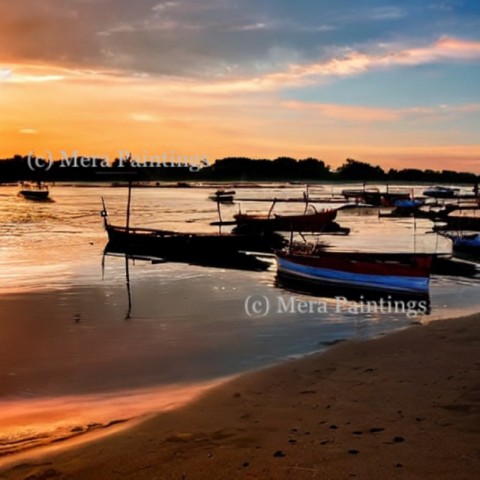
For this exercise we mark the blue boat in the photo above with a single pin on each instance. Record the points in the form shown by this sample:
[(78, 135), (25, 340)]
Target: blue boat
[(468, 244), (387, 272)]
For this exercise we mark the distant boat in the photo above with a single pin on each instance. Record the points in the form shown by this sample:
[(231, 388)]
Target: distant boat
[(408, 204), (465, 244), (404, 208), (309, 222), (223, 196), (34, 192), (373, 196), (463, 219), (441, 192), (387, 272)]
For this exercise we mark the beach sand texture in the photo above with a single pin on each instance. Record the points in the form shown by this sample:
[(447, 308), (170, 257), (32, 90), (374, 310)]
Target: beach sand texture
[(406, 405)]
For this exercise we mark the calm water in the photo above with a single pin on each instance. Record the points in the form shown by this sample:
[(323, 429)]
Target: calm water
[(68, 356)]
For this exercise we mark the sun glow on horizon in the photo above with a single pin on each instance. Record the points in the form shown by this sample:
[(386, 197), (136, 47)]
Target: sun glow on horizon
[(329, 102)]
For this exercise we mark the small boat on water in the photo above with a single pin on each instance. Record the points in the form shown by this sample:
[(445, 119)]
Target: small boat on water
[(441, 192), (465, 244), (223, 196), (373, 196), (461, 219), (387, 272), (315, 222), (36, 191), (404, 208)]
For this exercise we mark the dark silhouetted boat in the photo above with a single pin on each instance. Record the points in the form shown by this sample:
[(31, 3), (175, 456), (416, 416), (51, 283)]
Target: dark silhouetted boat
[(37, 191), (441, 192), (465, 244), (316, 222), (373, 196), (224, 250), (223, 196)]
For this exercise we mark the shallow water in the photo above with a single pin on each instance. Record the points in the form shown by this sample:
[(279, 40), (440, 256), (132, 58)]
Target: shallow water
[(64, 334)]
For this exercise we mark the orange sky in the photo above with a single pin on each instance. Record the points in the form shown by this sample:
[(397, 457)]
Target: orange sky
[(87, 98)]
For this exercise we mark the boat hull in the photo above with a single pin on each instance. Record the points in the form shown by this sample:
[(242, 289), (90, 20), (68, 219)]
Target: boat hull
[(397, 273), (466, 245), (224, 251), (35, 194), (462, 222), (316, 222)]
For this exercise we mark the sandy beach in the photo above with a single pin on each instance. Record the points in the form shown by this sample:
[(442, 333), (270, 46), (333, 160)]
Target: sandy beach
[(406, 405)]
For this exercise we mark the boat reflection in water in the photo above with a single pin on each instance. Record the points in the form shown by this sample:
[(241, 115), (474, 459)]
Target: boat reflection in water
[(357, 301), (228, 252)]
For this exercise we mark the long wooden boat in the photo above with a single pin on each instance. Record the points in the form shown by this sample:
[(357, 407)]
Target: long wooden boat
[(389, 272), (218, 250), (309, 222)]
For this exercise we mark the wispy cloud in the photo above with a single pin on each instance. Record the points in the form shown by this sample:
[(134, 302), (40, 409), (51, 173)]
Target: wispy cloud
[(23, 79), (144, 117), (387, 13), (28, 131), (346, 64), (368, 114), (354, 63)]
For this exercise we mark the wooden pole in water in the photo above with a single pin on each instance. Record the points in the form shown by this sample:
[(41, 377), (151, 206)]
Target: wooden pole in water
[(219, 215), (129, 292), (128, 204)]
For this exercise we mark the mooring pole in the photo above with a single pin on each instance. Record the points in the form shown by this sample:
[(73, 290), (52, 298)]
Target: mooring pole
[(128, 205)]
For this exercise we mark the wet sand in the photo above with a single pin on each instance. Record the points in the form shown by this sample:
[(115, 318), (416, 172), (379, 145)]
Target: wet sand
[(406, 405)]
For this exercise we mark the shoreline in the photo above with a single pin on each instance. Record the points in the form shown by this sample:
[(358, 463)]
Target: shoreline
[(403, 405)]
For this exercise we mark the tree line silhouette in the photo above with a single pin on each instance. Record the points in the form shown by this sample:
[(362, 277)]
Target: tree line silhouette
[(236, 169)]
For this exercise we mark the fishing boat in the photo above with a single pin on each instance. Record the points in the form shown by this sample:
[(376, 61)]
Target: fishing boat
[(373, 196), (309, 222), (224, 250), (164, 251), (404, 208), (37, 191), (465, 244), (387, 272), (441, 192), (223, 196), (461, 219)]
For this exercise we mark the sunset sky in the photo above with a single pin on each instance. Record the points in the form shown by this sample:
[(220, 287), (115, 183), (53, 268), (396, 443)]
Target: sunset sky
[(396, 83)]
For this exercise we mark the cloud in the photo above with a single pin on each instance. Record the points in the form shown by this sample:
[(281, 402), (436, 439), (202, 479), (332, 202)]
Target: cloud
[(342, 64), (346, 112), (28, 131), (351, 63), (368, 114), (144, 117), (191, 39), (162, 6), (19, 78), (387, 13)]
